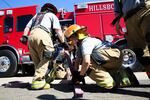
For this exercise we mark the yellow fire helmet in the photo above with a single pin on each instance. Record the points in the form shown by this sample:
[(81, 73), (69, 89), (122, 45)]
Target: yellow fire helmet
[(80, 30)]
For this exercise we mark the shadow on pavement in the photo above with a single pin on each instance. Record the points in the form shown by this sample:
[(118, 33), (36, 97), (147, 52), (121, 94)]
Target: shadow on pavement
[(132, 92), (16, 84), (91, 88), (63, 87), (46, 97), (52, 97)]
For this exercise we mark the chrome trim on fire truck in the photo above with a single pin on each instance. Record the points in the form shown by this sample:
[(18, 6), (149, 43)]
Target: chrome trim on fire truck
[(26, 59), (65, 20), (4, 63)]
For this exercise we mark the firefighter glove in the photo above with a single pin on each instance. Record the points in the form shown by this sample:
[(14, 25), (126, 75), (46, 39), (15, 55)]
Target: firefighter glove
[(24, 39), (64, 45), (77, 78), (52, 55)]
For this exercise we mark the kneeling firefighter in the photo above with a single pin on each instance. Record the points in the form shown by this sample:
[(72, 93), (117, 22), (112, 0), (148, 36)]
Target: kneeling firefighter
[(41, 27), (97, 59)]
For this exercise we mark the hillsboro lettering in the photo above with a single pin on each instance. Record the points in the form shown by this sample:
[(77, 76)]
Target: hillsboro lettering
[(100, 7)]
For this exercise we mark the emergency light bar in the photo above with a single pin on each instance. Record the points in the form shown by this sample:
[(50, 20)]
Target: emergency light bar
[(82, 6), (2, 13)]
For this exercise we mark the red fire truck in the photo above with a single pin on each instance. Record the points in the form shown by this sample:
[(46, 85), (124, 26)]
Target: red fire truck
[(14, 56), (97, 16)]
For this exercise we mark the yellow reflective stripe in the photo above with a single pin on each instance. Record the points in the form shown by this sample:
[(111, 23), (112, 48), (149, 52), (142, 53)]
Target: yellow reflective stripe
[(38, 84), (124, 78), (108, 84), (125, 82)]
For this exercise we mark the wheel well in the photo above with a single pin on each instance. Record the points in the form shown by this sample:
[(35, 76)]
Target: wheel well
[(121, 41), (11, 49)]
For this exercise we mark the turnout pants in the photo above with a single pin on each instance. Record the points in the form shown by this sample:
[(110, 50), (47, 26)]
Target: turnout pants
[(40, 41), (138, 34), (138, 30), (100, 74)]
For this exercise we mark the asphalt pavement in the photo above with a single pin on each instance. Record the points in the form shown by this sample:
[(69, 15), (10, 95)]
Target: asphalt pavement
[(18, 88)]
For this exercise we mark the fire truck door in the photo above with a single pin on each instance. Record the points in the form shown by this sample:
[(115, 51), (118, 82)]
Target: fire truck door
[(1, 29), (92, 22), (106, 22)]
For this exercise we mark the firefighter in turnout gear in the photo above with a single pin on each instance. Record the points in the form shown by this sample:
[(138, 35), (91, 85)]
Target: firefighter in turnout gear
[(41, 27), (94, 58), (136, 14)]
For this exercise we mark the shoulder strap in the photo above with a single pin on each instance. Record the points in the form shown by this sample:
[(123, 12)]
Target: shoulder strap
[(54, 36), (38, 19)]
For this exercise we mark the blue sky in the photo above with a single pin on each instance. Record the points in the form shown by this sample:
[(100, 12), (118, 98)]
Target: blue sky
[(67, 4)]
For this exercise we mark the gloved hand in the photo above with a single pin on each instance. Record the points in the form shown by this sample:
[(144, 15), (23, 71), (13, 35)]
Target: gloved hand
[(77, 78), (64, 45), (24, 39)]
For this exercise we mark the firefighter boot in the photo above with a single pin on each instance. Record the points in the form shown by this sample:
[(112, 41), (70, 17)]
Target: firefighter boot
[(51, 76), (125, 80), (132, 77), (128, 78), (122, 79), (47, 86), (39, 84)]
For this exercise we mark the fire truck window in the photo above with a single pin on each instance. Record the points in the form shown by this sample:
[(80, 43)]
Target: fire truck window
[(8, 24), (22, 22), (67, 23)]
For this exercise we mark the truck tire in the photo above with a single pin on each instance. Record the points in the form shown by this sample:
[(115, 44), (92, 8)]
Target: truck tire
[(8, 63), (129, 58)]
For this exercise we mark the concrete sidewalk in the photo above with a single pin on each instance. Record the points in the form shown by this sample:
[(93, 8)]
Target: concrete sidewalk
[(141, 75)]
